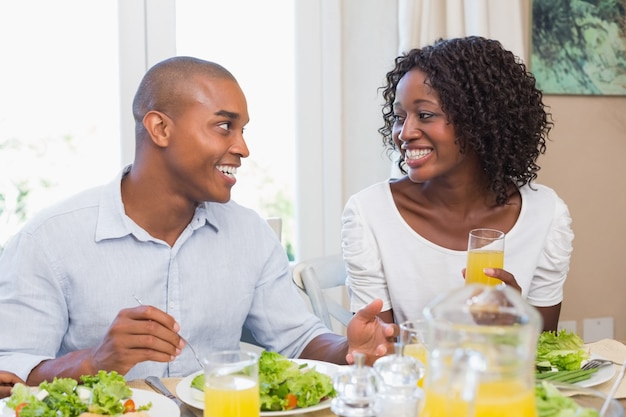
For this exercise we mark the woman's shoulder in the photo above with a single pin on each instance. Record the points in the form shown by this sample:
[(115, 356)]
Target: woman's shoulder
[(538, 193), (539, 199), (374, 191)]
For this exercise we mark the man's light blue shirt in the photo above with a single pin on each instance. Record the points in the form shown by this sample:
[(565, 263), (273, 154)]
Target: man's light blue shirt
[(65, 276)]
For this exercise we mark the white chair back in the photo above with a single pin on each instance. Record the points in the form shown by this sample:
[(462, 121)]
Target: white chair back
[(317, 278)]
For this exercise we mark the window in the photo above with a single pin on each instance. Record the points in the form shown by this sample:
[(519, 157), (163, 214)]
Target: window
[(59, 103), (255, 41), (65, 75)]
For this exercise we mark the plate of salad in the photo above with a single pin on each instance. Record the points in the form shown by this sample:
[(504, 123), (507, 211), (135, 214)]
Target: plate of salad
[(288, 386), (567, 400), (101, 394), (560, 356)]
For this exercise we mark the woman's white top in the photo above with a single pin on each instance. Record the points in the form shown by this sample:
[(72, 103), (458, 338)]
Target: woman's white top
[(385, 258)]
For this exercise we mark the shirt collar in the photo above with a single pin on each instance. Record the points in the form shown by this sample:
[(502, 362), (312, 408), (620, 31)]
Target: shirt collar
[(113, 222)]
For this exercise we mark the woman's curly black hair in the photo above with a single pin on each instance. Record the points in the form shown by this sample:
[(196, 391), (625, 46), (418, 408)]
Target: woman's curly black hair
[(490, 98)]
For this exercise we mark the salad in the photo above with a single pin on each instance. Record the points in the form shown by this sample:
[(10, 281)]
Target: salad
[(559, 356), (285, 384), (101, 394), (552, 403), (560, 351)]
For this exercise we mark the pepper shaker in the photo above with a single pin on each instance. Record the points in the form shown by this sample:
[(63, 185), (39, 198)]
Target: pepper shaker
[(357, 389), (400, 395)]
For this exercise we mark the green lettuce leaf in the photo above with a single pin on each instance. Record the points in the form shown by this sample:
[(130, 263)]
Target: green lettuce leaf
[(279, 376), (551, 403), (563, 350), (60, 398)]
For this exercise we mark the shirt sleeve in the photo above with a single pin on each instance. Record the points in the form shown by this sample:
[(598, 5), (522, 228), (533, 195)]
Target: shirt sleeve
[(366, 279), (28, 297), (553, 265), (279, 318)]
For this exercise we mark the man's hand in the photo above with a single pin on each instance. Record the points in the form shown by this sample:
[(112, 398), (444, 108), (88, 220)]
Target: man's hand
[(138, 334), (7, 380), (370, 335)]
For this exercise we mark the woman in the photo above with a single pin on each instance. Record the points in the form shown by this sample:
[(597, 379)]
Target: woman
[(469, 124)]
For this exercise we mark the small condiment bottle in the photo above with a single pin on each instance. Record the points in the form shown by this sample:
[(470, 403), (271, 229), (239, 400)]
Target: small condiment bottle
[(357, 389), (400, 395)]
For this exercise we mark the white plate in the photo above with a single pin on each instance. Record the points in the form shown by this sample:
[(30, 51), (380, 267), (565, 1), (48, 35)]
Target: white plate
[(161, 405), (604, 374), (184, 390)]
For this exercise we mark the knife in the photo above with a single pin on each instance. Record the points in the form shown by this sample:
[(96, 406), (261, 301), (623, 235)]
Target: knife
[(156, 384)]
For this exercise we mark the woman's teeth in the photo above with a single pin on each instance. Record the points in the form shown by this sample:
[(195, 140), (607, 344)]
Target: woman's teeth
[(416, 153)]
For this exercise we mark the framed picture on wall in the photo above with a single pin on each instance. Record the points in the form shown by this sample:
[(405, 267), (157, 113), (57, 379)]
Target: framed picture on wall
[(579, 46)]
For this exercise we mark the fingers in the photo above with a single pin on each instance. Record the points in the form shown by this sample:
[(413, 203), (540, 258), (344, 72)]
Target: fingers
[(391, 331), (380, 351), (150, 313), (139, 334), (7, 380), (5, 391), (371, 311), (369, 334), (152, 328), (503, 276)]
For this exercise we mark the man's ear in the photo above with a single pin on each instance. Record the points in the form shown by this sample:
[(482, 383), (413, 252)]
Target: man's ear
[(157, 125)]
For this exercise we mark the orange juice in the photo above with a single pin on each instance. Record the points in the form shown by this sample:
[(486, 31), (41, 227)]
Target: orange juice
[(418, 351), (494, 399), (477, 260), (236, 396)]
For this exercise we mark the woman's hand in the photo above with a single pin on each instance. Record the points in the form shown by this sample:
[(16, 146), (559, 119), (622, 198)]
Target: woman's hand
[(504, 276)]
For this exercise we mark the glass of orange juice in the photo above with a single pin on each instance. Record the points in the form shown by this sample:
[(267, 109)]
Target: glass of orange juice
[(231, 384), (485, 249), (413, 341)]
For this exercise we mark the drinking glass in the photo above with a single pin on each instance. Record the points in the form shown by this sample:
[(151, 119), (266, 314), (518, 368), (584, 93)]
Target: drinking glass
[(485, 249), (413, 341), (231, 384)]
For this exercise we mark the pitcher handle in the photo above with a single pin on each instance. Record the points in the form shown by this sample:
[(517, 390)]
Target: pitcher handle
[(465, 370)]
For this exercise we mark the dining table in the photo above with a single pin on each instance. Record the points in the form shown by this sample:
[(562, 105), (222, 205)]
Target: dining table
[(605, 348)]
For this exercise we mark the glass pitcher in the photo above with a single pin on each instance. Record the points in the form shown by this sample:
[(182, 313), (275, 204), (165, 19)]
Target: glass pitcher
[(482, 350)]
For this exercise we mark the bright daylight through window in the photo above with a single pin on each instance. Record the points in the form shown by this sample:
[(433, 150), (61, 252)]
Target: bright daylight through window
[(60, 105), (260, 54)]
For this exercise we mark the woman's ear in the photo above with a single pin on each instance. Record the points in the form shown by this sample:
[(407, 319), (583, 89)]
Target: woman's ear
[(157, 125)]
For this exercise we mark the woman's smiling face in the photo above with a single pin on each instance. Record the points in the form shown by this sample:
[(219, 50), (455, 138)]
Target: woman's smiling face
[(422, 131)]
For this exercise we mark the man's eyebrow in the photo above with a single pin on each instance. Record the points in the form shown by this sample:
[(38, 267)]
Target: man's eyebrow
[(228, 114)]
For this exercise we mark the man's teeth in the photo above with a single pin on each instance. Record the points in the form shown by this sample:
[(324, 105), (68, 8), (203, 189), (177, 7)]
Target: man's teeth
[(416, 153), (228, 170)]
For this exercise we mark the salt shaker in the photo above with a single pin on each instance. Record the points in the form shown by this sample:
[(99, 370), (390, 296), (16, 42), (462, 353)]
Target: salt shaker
[(400, 395), (357, 389)]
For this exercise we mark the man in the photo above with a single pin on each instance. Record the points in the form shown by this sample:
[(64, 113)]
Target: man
[(7, 380), (164, 231)]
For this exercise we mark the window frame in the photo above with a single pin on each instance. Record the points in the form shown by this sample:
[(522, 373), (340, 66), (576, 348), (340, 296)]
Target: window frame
[(148, 35)]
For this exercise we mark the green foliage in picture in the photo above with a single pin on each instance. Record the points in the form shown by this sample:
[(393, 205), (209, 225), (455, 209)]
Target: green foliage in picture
[(579, 46)]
